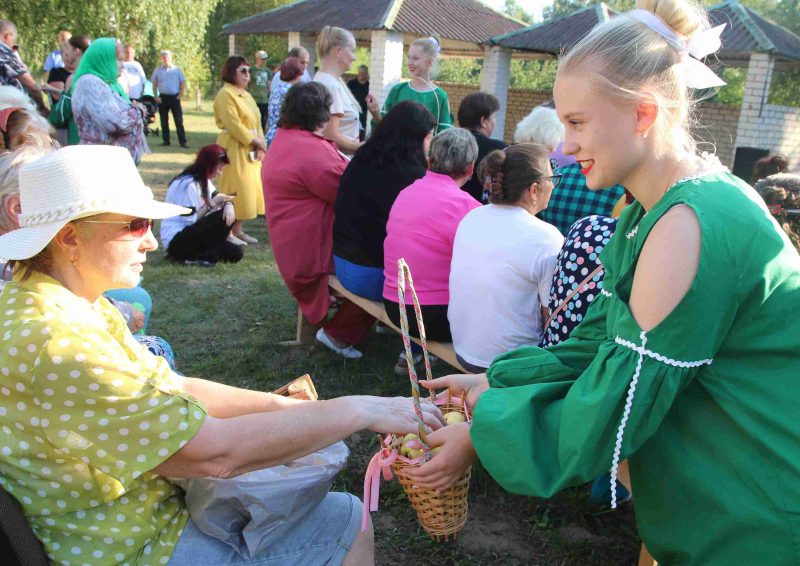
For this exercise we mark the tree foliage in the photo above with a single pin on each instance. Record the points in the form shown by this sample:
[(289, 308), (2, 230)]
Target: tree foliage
[(149, 25), (228, 11)]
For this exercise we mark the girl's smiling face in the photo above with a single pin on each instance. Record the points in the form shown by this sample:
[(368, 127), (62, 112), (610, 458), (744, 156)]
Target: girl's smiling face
[(419, 64), (600, 132)]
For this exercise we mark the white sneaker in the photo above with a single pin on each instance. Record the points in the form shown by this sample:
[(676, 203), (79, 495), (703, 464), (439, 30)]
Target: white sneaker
[(246, 238), (349, 352)]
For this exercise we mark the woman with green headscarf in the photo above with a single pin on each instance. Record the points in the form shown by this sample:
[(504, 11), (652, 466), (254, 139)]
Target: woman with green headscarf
[(103, 112)]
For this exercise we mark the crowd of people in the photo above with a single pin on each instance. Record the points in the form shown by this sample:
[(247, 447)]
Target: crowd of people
[(618, 298)]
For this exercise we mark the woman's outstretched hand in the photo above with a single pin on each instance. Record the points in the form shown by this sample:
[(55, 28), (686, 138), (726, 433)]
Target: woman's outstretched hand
[(396, 414), (469, 386), (444, 469)]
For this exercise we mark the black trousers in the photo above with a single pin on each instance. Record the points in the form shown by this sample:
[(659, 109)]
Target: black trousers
[(205, 239), (264, 110), (171, 102), (434, 317)]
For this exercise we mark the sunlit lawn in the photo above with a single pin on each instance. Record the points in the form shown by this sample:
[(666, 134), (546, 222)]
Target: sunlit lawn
[(224, 324)]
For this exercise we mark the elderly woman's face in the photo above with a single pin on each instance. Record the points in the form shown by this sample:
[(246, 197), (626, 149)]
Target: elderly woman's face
[(108, 254), (120, 59)]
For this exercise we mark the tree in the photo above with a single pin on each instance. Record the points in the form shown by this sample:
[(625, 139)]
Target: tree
[(511, 8), (149, 25), (228, 11)]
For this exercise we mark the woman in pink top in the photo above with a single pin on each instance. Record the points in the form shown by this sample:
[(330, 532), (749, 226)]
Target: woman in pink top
[(421, 228), (301, 175)]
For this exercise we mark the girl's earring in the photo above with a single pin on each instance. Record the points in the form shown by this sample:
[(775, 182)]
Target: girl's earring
[(644, 133)]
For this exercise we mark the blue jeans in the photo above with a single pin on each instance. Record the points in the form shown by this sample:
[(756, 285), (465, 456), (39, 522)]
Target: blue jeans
[(360, 280), (324, 537)]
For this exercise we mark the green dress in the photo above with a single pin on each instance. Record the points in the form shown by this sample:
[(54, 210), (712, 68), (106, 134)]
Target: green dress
[(434, 100), (707, 400)]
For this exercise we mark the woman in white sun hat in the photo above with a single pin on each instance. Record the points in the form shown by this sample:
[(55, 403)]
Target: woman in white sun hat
[(91, 423)]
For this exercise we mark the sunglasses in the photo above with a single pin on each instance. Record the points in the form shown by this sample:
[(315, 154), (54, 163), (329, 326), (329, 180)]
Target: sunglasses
[(245, 70), (138, 227)]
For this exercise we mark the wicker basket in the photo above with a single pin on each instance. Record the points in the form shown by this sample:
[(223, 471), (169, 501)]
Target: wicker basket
[(441, 513)]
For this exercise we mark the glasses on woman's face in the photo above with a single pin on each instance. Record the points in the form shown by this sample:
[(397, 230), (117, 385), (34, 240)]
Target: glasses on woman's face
[(555, 179), (138, 227), (244, 70)]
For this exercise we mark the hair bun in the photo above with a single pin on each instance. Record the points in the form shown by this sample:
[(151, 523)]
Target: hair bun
[(685, 17)]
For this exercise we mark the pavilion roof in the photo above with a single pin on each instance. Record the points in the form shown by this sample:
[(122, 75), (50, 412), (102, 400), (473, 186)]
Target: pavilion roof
[(745, 32), (558, 34), (748, 32), (461, 20)]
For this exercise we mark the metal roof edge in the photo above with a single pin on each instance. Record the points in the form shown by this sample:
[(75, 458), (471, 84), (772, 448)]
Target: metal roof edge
[(496, 39), (741, 12), (277, 9), (387, 22)]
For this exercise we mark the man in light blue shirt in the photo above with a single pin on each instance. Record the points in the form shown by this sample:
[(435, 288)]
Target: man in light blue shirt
[(169, 85), (54, 60), (302, 54)]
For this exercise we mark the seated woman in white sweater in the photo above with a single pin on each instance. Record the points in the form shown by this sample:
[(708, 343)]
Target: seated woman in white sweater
[(204, 236), (503, 259)]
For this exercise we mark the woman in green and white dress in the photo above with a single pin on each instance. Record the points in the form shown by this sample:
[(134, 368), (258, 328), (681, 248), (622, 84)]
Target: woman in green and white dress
[(423, 60), (687, 364)]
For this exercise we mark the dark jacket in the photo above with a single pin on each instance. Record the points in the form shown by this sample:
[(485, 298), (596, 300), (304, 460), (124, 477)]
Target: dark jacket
[(366, 195), (485, 145)]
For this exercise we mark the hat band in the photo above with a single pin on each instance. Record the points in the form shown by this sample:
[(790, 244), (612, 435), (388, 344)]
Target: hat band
[(67, 213)]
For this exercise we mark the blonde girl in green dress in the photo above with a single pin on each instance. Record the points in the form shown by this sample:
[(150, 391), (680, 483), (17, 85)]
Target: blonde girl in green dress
[(423, 63), (686, 364)]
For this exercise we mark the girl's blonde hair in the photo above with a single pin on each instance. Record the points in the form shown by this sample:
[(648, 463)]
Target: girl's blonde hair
[(430, 46), (330, 37), (627, 60)]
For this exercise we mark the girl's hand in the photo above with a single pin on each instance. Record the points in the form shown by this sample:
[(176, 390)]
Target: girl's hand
[(447, 467), (469, 386), (373, 106), (259, 144), (228, 214)]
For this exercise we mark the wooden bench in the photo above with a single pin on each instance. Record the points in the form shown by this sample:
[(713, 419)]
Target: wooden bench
[(306, 331)]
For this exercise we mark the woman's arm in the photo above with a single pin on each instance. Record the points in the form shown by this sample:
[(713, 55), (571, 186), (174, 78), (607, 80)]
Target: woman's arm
[(333, 133), (223, 401), (230, 447), (95, 100)]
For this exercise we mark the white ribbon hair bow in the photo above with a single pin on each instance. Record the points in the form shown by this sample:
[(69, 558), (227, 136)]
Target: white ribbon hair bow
[(700, 45)]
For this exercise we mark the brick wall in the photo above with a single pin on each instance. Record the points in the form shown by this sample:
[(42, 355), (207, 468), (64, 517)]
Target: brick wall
[(776, 129), (716, 130)]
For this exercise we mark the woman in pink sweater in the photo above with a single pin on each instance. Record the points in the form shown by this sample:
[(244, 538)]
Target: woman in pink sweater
[(421, 229)]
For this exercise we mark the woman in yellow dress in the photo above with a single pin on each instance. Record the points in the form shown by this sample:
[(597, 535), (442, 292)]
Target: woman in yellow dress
[(237, 115)]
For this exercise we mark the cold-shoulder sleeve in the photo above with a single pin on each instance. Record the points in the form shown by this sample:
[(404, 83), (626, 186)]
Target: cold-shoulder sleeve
[(557, 417)]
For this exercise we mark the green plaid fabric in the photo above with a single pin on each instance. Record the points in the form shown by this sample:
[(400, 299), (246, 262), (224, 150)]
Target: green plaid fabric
[(572, 200)]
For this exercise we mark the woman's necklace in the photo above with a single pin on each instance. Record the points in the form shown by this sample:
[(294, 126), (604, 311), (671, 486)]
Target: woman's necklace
[(632, 233)]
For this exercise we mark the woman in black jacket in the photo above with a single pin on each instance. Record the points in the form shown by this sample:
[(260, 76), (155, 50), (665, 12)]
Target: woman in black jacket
[(392, 158)]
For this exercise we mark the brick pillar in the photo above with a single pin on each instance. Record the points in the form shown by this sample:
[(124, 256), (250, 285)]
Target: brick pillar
[(386, 62), (495, 78), (231, 44), (309, 41), (756, 92)]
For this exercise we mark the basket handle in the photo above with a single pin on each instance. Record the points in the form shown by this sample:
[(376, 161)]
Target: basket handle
[(403, 279)]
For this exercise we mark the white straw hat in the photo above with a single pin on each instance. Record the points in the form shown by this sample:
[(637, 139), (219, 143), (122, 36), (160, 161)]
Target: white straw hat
[(76, 182)]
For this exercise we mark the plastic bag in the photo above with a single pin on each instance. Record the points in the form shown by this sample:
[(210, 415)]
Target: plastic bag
[(251, 511)]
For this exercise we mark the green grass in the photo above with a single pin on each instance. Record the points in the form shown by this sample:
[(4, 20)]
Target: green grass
[(224, 324)]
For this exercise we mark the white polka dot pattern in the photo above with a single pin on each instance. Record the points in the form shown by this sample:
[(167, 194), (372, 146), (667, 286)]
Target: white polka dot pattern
[(85, 414)]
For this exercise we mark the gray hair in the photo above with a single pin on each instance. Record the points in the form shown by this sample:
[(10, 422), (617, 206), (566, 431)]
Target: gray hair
[(541, 126), (787, 181), (7, 26), (452, 151), (10, 164)]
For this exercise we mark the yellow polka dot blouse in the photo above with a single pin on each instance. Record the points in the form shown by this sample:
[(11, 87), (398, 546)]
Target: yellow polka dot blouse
[(85, 413)]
